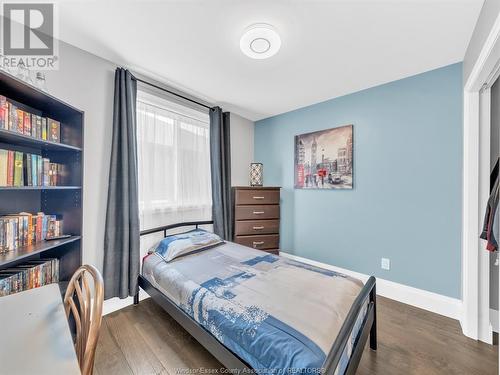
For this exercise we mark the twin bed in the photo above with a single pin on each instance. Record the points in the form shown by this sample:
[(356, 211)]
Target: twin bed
[(261, 313)]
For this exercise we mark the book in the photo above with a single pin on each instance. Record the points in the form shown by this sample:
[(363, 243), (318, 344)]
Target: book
[(40, 170), (27, 123), (20, 121), (29, 275), (12, 117), (26, 174), (46, 172), (54, 130), (44, 128), (10, 168), (4, 155), (4, 113), (18, 169), (34, 170)]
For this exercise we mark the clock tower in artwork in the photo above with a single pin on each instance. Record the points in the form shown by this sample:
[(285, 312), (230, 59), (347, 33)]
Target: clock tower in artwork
[(314, 148)]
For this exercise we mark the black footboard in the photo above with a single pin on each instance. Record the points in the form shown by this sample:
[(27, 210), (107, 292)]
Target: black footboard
[(235, 363), (369, 327)]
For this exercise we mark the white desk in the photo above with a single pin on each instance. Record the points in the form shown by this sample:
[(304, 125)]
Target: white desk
[(34, 334)]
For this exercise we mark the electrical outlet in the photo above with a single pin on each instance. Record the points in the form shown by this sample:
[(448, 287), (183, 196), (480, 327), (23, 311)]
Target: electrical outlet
[(385, 264)]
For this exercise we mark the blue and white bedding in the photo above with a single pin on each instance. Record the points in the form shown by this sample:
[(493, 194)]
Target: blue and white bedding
[(274, 313)]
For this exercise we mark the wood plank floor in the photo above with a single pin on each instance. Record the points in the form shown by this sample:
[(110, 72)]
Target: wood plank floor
[(143, 339)]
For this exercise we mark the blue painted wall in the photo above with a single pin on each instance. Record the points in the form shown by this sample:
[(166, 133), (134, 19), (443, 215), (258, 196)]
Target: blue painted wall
[(406, 201)]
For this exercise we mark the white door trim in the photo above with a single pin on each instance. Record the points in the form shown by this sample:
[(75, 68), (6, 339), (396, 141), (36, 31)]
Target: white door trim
[(475, 184)]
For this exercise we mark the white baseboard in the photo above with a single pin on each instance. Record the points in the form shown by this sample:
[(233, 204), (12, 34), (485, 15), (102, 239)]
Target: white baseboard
[(114, 304), (494, 319), (433, 302)]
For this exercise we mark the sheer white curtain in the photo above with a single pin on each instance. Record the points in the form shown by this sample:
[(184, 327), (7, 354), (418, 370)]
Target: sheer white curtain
[(173, 162)]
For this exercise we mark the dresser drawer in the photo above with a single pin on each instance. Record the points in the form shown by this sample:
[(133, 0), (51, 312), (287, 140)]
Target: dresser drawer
[(270, 211), (257, 227), (257, 196), (265, 241)]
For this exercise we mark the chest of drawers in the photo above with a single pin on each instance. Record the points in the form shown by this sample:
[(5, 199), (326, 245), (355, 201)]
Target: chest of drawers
[(257, 217)]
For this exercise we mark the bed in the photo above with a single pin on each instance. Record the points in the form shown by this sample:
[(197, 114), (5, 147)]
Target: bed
[(263, 313)]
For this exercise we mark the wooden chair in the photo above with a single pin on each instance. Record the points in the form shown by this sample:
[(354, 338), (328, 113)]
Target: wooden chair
[(84, 303)]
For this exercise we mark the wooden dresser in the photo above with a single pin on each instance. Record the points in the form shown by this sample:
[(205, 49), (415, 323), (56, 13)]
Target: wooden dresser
[(257, 217)]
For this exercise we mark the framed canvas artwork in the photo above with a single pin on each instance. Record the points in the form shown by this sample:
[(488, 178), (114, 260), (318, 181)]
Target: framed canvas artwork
[(324, 159)]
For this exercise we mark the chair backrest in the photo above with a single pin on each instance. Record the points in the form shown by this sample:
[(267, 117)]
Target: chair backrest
[(83, 300)]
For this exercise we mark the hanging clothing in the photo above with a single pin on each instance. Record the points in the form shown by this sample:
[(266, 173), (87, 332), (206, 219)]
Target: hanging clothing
[(489, 232)]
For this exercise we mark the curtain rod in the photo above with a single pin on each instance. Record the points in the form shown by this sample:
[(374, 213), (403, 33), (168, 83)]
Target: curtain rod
[(170, 92)]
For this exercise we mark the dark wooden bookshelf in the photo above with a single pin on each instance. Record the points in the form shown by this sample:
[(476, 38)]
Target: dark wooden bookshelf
[(12, 257), (13, 138), (65, 200)]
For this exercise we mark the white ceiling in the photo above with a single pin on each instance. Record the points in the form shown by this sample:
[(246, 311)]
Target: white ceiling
[(329, 48)]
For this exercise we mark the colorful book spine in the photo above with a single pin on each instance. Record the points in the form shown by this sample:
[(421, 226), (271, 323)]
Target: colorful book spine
[(4, 113), (44, 128), (12, 117), (4, 156), (54, 130), (29, 275), (34, 170), (10, 168), (18, 169), (27, 123), (20, 121)]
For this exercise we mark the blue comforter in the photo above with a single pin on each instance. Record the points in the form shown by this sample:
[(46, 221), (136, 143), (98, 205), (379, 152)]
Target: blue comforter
[(275, 313)]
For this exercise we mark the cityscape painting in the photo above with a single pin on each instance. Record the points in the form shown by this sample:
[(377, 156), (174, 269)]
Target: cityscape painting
[(323, 159)]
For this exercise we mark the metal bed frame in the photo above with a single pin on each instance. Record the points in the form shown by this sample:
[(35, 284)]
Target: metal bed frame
[(234, 363)]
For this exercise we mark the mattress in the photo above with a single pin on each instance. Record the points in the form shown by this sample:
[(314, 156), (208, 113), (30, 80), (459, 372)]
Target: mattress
[(275, 313)]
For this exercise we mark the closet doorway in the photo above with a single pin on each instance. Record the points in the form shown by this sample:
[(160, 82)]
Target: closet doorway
[(479, 153)]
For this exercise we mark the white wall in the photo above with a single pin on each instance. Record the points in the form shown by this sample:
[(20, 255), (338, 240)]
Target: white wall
[(86, 81), (242, 133)]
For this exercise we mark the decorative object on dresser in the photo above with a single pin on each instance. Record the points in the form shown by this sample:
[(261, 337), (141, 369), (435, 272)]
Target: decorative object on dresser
[(257, 217), (40, 185), (256, 174)]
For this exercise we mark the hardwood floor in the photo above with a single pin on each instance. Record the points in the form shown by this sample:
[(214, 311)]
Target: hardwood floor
[(143, 339)]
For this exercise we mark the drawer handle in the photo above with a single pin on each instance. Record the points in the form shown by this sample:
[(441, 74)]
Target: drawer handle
[(258, 212), (257, 243), (258, 228), (259, 197)]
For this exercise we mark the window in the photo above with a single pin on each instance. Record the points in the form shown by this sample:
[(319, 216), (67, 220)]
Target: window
[(173, 162)]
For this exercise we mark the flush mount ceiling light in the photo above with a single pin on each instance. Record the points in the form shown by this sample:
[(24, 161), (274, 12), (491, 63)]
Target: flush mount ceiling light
[(260, 41)]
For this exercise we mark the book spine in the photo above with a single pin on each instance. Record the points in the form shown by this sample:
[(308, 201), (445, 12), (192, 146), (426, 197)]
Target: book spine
[(44, 128), (34, 168), (54, 130), (18, 169), (39, 223), (12, 117), (40, 170), (44, 227), (46, 172), (26, 169), (10, 168), (4, 122), (4, 155), (15, 233), (2, 238), (27, 123), (20, 121)]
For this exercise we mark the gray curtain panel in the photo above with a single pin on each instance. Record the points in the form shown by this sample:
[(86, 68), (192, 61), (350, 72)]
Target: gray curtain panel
[(121, 239), (220, 161)]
